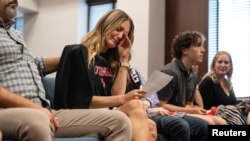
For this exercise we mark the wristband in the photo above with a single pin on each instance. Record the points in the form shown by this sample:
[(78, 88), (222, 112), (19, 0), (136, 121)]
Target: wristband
[(122, 64)]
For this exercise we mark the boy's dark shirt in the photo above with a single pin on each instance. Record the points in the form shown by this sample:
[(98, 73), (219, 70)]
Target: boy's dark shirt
[(181, 88)]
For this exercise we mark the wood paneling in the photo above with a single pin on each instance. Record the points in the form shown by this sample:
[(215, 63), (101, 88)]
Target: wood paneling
[(182, 15)]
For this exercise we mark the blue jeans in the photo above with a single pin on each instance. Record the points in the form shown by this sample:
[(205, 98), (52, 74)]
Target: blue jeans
[(198, 128), (180, 129)]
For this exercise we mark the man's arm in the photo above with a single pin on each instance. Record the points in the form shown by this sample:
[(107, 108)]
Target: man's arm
[(172, 107), (198, 98), (11, 100), (189, 110), (165, 94), (51, 64)]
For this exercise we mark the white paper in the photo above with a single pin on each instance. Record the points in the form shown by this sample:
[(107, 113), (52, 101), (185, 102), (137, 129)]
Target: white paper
[(156, 82)]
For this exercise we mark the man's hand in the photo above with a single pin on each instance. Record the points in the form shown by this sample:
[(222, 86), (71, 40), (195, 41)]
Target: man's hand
[(197, 110), (160, 111), (53, 119)]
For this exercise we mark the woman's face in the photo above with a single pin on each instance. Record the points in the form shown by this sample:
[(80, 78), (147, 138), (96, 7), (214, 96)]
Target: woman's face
[(222, 65), (114, 37)]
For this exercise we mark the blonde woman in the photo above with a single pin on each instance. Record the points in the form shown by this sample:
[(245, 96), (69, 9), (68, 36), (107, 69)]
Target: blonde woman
[(217, 91), (94, 73), (216, 86)]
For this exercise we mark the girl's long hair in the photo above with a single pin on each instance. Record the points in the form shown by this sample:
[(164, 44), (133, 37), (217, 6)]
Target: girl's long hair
[(95, 39)]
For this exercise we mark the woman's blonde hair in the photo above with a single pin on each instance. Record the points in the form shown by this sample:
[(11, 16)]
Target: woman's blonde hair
[(229, 74), (95, 39)]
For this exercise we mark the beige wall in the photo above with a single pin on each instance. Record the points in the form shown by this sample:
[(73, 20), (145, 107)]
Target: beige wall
[(60, 22), (139, 11), (156, 35), (149, 20), (28, 5), (53, 26)]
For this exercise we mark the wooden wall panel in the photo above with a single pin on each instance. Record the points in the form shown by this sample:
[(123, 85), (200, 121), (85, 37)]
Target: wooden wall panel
[(182, 15)]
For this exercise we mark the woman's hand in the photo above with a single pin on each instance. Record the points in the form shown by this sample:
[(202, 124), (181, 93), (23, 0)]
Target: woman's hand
[(124, 48), (134, 94)]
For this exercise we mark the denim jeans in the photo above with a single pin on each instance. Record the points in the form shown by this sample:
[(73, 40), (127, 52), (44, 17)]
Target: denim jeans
[(198, 128), (180, 129)]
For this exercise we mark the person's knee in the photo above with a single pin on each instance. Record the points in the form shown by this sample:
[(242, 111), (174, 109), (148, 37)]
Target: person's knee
[(134, 108), (40, 122), (135, 104), (35, 125), (38, 118), (210, 121), (179, 127), (183, 125)]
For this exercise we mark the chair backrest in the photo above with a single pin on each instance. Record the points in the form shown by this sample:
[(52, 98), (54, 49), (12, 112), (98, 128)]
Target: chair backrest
[(49, 86)]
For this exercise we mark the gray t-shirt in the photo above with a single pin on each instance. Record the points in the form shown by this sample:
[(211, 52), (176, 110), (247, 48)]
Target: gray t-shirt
[(181, 88)]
